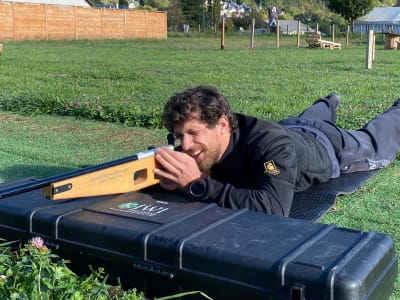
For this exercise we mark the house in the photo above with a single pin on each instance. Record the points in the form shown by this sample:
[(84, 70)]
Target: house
[(290, 27), (380, 19), (231, 9)]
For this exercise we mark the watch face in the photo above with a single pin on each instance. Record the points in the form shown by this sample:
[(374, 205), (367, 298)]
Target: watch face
[(197, 188)]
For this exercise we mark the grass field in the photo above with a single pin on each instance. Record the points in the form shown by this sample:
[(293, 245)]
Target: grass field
[(130, 81)]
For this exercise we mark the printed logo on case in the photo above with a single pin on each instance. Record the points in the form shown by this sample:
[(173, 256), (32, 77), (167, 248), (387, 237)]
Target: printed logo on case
[(146, 209)]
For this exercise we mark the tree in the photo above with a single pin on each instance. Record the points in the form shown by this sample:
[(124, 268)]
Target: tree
[(192, 10), (216, 13), (123, 4), (351, 9), (247, 20), (201, 13), (157, 4), (175, 17)]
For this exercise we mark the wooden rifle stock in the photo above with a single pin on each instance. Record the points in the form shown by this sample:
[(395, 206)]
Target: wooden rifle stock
[(119, 176)]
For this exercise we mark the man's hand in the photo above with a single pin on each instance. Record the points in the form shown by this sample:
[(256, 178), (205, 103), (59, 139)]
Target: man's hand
[(176, 169)]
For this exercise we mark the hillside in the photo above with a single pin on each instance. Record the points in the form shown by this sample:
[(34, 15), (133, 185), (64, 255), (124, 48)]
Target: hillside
[(316, 11), (314, 6), (206, 16)]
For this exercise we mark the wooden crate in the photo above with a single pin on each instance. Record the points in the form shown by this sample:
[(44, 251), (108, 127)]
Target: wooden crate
[(391, 41)]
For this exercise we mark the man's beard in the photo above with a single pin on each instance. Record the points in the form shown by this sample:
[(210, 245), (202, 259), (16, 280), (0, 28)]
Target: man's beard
[(211, 157)]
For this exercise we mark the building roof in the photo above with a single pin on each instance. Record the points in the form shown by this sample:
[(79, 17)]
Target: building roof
[(81, 3), (290, 27), (381, 15), (382, 19)]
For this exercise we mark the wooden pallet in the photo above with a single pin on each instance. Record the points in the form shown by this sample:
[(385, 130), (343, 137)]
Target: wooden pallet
[(329, 45), (313, 38), (314, 41)]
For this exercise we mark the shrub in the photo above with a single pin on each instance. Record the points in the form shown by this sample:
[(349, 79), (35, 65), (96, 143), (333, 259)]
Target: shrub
[(34, 272), (84, 107)]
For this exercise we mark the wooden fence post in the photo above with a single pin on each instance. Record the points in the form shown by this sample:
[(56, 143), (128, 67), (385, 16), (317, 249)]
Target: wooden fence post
[(252, 33), (222, 33), (370, 50), (277, 33), (373, 43), (298, 33)]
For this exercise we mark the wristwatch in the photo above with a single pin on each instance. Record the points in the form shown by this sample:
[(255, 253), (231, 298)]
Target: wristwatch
[(197, 188)]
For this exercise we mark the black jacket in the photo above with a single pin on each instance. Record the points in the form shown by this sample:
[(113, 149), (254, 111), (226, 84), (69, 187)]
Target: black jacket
[(264, 165)]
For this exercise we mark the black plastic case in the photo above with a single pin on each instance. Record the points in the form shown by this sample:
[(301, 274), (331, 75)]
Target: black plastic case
[(228, 254)]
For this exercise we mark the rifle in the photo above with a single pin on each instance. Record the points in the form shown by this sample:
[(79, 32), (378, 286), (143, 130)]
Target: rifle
[(119, 176)]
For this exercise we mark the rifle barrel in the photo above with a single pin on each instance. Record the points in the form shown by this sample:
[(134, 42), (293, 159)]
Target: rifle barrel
[(30, 186)]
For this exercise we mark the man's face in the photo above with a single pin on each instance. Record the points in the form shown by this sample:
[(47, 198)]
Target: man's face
[(206, 145)]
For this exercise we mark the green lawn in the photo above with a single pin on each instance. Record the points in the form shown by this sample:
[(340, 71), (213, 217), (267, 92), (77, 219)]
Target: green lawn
[(138, 76)]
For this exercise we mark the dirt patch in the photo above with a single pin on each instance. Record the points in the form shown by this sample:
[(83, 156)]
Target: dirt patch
[(13, 119)]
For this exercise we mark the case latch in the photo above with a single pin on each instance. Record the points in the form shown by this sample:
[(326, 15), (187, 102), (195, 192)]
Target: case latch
[(297, 292)]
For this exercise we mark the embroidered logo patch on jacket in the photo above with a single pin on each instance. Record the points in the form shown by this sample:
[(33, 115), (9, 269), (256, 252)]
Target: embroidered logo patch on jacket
[(270, 168)]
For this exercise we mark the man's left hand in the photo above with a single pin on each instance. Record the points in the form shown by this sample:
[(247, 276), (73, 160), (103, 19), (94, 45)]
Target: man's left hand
[(176, 169)]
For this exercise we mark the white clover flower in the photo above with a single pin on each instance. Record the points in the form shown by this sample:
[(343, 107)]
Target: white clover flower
[(37, 242)]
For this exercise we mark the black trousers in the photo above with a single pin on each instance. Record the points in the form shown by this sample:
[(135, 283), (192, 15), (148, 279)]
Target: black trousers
[(373, 146)]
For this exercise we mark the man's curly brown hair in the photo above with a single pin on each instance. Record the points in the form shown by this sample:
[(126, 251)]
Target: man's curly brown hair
[(205, 100)]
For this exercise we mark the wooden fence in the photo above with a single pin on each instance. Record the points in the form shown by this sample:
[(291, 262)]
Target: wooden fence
[(23, 21)]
